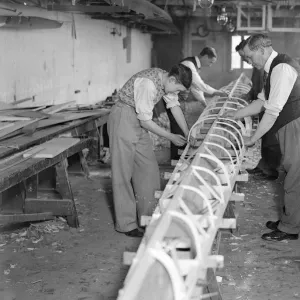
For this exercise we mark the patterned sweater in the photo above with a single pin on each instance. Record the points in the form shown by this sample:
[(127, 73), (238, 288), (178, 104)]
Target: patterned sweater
[(126, 93)]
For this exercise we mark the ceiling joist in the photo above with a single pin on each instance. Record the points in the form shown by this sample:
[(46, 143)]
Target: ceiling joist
[(88, 9), (190, 3), (134, 13), (149, 10)]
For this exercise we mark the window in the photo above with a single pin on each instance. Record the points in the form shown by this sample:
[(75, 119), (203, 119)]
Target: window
[(236, 60)]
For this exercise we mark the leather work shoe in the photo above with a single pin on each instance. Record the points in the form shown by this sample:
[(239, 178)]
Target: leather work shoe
[(134, 233), (278, 236), (272, 225), (254, 171)]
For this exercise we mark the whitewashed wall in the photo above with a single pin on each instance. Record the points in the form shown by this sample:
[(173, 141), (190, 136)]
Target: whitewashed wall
[(50, 64)]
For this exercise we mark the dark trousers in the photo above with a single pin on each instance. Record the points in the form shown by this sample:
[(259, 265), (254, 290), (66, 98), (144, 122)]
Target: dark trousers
[(174, 127), (288, 137), (270, 153)]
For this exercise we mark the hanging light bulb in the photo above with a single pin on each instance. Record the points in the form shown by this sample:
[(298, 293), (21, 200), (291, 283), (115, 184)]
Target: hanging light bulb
[(230, 27), (206, 3), (222, 18)]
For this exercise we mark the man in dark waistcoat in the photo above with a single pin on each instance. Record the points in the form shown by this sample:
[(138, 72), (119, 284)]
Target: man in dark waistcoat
[(269, 163), (280, 100), (206, 58)]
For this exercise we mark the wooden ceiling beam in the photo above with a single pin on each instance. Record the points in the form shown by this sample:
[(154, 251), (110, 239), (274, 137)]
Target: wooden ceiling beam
[(88, 9), (235, 2), (149, 10), (286, 13)]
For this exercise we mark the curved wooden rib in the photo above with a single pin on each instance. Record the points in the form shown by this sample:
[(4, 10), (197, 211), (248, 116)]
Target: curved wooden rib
[(191, 208)]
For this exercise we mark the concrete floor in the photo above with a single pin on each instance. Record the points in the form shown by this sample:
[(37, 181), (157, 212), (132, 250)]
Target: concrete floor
[(72, 263), (86, 263), (256, 269)]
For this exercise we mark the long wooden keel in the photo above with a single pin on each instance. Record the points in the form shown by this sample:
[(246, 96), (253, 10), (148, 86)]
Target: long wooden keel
[(174, 257)]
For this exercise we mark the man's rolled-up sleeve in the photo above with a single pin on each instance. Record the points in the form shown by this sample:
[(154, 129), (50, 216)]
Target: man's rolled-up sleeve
[(171, 100)]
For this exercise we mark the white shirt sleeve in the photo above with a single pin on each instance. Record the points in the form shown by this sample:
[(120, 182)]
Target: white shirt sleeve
[(144, 95), (261, 95), (199, 95), (171, 100), (197, 83), (283, 78)]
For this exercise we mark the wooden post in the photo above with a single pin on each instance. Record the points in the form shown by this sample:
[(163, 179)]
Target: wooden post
[(32, 187), (66, 191), (187, 51), (82, 157)]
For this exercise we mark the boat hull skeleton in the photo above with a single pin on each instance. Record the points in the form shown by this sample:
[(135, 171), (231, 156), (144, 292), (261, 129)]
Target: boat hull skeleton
[(175, 254)]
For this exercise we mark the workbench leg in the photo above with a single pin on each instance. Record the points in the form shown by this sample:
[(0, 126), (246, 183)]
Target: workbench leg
[(238, 207), (218, 242), (31, 186), (82, 158), (84, 164), (213, 286), (65, 190), (99, 132)]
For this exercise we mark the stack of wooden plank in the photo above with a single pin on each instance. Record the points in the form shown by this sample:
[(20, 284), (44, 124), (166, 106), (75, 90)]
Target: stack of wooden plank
[(15, 121)]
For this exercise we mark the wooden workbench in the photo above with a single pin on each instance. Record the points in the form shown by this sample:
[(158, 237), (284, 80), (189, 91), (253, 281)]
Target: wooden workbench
[(35, 189), (27, 196)]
